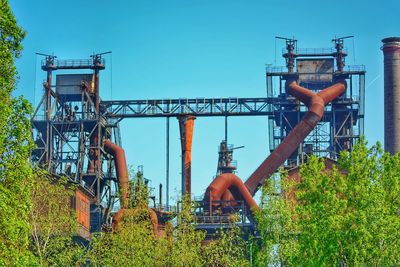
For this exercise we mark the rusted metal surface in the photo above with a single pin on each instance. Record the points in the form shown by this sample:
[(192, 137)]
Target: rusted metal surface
[(316, 105), (186, 124), (236, 187), (123, 180), (82, 208), (93, 153), (121, 168), (391, 52), (228, 186)]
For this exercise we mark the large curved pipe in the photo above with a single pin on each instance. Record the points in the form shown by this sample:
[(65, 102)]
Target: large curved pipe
[(316, 106), (123, 181), (121, 168), (226, 181), (118, 217)]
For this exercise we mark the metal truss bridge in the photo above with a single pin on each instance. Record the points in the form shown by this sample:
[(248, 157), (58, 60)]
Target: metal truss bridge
[(206, 107)]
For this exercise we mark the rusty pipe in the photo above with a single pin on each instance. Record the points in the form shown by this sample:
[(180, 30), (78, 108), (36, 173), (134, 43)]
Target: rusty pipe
[(93, 153), (122, 170), (119, 216), (123, 181), (223, 183), (186, 125), (220, 187), (316, 106)]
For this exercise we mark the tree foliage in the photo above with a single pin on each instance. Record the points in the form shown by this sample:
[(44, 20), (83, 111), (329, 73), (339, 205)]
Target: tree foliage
[(134, 243), (53, 221), (348, 216), (186, 249), (15, 148), (229, 249)]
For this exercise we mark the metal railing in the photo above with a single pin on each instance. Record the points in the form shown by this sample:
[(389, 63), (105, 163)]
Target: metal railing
[(196, 107), (74, 63), (354, 68), (314, 51), (276, 69)]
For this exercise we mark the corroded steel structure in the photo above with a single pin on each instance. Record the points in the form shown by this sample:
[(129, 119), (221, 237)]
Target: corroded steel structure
[(77, 134), (69, 130), (319, 109)]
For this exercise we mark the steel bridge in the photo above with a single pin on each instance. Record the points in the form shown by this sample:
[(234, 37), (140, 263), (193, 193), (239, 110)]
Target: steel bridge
[(199, 107)]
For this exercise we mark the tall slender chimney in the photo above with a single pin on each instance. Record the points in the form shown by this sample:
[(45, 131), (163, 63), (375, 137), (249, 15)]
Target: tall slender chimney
[(391, 53)]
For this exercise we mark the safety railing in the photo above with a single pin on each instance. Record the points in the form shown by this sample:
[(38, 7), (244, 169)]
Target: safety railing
[(354, 68), (314, 51), (276, 69), (72, 63)]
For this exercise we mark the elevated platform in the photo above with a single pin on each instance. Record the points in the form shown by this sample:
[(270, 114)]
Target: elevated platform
[(73, 64)]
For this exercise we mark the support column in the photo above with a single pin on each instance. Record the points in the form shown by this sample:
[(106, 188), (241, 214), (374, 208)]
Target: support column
[(49, 137), (167, 165), (186, 124)]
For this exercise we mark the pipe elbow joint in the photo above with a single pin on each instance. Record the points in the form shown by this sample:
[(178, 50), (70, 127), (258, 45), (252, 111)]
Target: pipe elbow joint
[(317, 106)]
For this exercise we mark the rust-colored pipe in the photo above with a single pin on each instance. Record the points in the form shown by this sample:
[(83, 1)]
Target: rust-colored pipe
[(118, 217), (186, 124), (96, 90), (227, 181), (122, 170), (123, 180), (93, 153), (219, 188), (316, 106)]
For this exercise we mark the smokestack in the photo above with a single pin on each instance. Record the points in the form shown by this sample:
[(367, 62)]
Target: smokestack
[(391, 53)]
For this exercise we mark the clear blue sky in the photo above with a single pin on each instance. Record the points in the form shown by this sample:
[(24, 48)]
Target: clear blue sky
[(208, 48)]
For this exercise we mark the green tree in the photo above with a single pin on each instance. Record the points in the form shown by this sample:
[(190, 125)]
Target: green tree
[(186, 249), (347, 216), (15, 149), (274, 224), (53, 221), (229, 249), (133, 243)]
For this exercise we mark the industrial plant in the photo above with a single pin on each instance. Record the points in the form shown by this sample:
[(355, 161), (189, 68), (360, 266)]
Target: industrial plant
[(314, 104)]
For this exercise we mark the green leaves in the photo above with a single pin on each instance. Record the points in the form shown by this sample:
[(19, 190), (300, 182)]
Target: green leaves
[(15, 148), (53, 221), (348, 215)]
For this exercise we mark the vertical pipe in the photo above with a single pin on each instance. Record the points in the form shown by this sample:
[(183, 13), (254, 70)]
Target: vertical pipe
[(226, 129), (96, 90), (98, 166), (391, 54), (167, 165), (48, 116), (48, 94), (160, 198), (186, 124)]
